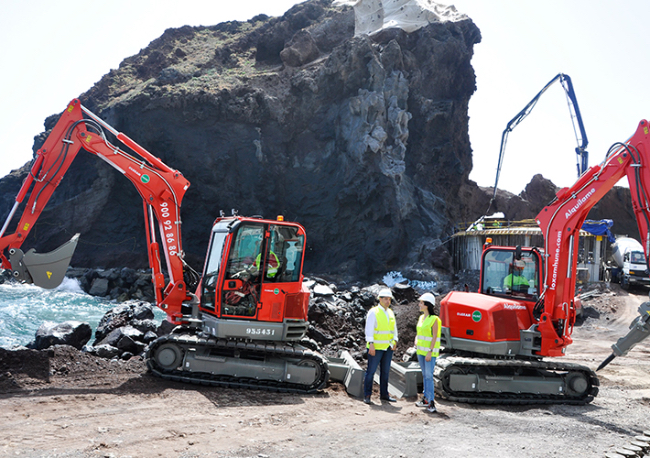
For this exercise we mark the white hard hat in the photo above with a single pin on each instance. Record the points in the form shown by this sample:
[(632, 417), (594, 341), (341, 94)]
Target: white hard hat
[(385, 292), (428, 297)]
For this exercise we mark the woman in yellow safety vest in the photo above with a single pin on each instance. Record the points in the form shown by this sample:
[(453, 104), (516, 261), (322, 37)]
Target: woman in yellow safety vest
[(427, 343)]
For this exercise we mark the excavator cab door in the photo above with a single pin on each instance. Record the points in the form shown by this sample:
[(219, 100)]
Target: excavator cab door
[(254, 271), (241, 288)]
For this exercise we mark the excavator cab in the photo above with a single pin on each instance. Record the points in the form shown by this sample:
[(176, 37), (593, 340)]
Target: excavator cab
[(497, 318), (254, 272)]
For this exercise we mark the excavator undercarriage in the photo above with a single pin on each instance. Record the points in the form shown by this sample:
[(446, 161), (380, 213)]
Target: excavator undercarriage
[(483, 380), (204, 360)]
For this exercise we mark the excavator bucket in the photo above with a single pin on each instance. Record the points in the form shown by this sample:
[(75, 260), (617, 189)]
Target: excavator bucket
[(46, 270)]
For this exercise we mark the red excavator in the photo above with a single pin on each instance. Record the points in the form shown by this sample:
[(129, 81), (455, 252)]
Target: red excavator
[(496, 339), (242, 323)]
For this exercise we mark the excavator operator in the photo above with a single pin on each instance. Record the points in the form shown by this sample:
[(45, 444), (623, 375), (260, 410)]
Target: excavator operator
[(516, 281), (272, 266)]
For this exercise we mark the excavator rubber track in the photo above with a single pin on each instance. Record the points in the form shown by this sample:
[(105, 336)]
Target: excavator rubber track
[(255, 351), (499, 373)]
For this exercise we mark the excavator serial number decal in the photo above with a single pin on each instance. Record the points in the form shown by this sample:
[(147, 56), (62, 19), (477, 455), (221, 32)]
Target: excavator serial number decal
[(260, 331)]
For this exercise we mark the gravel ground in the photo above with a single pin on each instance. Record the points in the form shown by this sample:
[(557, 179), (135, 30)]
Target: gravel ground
[(63, 403)]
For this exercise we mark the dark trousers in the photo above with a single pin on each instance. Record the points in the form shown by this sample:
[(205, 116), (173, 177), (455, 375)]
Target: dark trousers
[(382, 360)]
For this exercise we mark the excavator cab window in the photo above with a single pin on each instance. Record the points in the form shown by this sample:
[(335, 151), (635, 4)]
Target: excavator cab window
[(212, 267), (505, 275), (242, 283), (284, 254)]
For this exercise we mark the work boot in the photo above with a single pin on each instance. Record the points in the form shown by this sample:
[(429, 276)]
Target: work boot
[(422, 403), (367, 400), (432, 407)]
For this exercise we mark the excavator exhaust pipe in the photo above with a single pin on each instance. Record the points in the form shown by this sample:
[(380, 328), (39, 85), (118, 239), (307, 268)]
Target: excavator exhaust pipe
[(46, 270)]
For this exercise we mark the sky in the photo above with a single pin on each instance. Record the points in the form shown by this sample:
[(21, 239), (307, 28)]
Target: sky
[(54, 51)]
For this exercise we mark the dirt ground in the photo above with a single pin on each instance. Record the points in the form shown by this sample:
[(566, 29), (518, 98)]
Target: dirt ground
[(68, 404)]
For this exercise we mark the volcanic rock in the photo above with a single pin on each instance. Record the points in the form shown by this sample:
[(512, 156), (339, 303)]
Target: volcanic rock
[(294, 116), (137, 315), (73, 333), (363, 139)]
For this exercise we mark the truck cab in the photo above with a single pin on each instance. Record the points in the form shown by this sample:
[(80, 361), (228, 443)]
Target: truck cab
[(630, 261), (635, 271)]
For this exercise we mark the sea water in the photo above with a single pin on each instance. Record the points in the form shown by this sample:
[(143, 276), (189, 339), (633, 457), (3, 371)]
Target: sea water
[(24, 308), (393, 278)]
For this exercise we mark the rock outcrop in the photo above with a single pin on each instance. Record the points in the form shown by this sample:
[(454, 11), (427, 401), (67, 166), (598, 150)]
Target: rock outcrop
[(362, 139), (615, 205)]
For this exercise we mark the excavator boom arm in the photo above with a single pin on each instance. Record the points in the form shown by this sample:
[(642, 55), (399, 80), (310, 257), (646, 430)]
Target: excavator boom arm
[(561, 221), (161, 188)]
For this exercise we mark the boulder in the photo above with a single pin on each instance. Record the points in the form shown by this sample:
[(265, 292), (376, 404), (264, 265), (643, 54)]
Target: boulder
[(106, 351), (73, 333), (124, 334), (123, 315), (99, 287)]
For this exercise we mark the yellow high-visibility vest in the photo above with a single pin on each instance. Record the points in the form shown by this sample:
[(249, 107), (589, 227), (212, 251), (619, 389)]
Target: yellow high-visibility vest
[(272, 268), (425, 336), (385, 329)]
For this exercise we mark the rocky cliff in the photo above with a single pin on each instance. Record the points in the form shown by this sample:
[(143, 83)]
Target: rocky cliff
[(363, 140), (615, 205)]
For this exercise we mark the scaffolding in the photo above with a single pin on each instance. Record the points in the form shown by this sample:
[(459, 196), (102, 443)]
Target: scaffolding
[(467, 245)]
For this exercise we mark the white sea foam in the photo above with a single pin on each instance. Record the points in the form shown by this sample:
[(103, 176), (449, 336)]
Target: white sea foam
[(394, 277), (24, 308)]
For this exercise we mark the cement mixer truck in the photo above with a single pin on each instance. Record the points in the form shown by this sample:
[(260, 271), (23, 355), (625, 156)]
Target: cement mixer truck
[(628, 265)]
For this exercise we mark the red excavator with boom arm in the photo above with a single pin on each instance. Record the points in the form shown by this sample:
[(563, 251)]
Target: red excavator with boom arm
[(242, 323), (525, 310)]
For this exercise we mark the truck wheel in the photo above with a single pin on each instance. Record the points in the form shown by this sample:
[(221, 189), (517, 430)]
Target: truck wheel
[(624, 283)]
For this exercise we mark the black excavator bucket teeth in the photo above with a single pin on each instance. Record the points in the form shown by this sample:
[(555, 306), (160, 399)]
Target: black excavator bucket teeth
[(46, 270)]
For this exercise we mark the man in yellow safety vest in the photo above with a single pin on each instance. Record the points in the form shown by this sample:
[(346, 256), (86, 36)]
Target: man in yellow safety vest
[(516, 281), (272, 264), (381, 338)]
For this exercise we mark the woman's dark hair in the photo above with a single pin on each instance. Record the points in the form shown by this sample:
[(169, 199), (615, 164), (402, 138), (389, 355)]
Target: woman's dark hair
[(430, 307)]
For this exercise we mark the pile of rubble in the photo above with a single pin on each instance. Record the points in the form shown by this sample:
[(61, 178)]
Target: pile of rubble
[(336, 323), (123, 332)]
